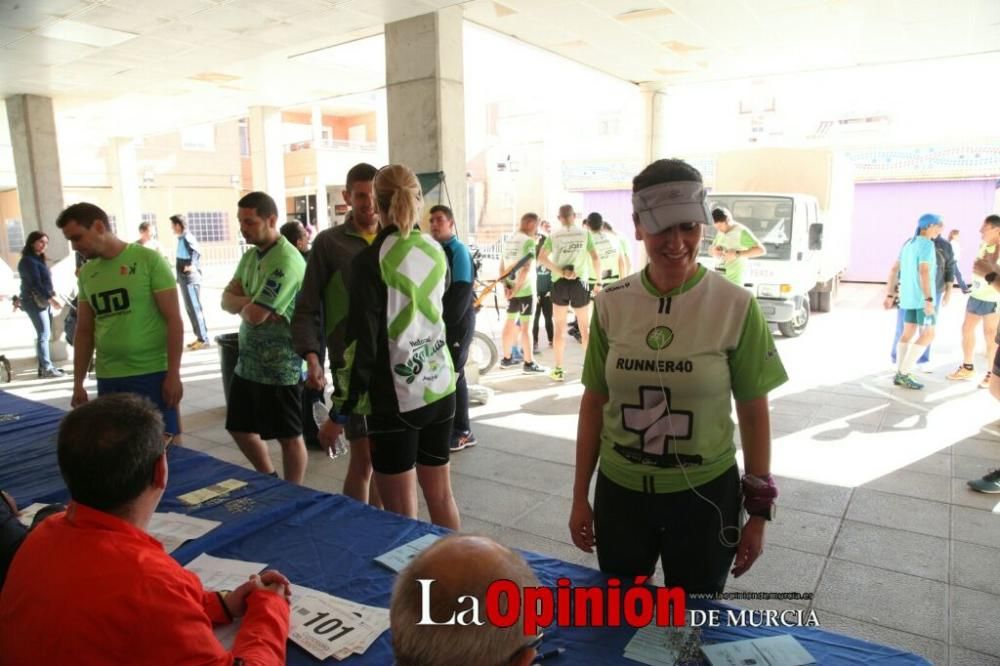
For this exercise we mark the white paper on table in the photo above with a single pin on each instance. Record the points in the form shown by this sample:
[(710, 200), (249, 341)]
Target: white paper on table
[(366, 623), (27, 514), (781, 650), (397, 558), (651, 645), (217, 573), (173, 529)]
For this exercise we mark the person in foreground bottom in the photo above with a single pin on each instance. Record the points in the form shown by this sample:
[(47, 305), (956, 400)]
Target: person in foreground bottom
[(460, 566), (91, 586)]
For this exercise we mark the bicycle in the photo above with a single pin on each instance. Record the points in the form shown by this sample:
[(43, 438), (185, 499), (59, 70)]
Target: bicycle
[(483, 350)]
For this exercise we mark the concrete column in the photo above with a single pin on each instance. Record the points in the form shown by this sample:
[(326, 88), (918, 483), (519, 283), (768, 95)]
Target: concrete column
[(36, 164), (123, 168), (425, 99), (381, 129), (267, 154), (653, 138), (322, 220)]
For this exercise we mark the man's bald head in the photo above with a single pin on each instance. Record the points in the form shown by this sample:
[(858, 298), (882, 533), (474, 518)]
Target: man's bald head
[(460, 566)]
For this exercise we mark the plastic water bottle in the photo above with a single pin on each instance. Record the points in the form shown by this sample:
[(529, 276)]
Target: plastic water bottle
[(321, 416)]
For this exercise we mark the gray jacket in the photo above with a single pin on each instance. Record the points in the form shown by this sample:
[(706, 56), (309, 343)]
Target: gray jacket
[(322, 304)]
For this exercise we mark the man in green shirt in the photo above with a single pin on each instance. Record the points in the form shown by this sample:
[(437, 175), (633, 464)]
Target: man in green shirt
[(570, 254), (519, 289), (128, 311), (733, 245), (265, 393)]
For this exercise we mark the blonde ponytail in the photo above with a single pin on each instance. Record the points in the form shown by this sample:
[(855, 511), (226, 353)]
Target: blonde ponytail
[(399, 198)]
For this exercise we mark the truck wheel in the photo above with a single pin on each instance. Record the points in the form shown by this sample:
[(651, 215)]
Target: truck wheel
[(824, 301), (798, 323), (814, 300)]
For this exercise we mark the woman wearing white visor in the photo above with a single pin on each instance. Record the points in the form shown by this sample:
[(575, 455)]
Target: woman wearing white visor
[(670, 347)]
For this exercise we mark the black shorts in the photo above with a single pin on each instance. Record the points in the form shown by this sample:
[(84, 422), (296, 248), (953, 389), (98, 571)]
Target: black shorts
[(273, 412), (521, 306), (680, 529), (570, 292), (397, 446)]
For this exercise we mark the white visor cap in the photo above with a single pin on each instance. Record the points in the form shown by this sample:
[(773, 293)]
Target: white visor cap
[(668, 204)]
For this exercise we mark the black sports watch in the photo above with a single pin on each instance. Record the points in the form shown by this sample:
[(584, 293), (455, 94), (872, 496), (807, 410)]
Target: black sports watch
[(767, 514), (929, 299), (990, 277)]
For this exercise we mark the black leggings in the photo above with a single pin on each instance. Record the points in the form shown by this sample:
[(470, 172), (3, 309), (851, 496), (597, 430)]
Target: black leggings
[(544, 307), (634, 529)]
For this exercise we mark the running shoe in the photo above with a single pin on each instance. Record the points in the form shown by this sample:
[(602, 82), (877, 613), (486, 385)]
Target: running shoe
[(51, 373), (988, 484), (196, 345), (508, 362), (557, 374), (532, 369), (963, 373), (463, 441), (986, 381), (907, 381), (897, 380)]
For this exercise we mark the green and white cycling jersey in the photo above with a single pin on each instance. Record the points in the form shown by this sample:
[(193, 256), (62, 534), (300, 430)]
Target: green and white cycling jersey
[(981, 289), (570, 247), (514, 248), (670, 365), (608, 248), (738, 238), (415, 272)]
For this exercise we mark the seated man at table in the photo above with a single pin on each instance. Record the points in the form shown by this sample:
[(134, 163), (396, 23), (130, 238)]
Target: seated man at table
[(460, 566), (90, 586)]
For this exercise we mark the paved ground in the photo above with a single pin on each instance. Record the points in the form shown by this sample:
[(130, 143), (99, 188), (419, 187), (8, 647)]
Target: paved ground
[(874, 519)]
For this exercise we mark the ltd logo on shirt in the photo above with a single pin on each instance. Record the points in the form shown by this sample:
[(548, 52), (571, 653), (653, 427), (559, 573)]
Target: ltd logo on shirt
[(108, 302)]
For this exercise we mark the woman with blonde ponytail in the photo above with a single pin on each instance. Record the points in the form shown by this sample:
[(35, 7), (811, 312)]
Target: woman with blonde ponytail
[(402, 375)]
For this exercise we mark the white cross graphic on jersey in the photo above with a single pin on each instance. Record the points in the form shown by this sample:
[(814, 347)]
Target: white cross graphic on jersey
[(654, 422)]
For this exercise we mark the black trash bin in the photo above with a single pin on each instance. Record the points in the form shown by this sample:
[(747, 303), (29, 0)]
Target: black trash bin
[(229, 353)]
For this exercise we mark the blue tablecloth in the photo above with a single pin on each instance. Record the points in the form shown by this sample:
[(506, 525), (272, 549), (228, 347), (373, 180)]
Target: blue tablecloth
[(328, 542)]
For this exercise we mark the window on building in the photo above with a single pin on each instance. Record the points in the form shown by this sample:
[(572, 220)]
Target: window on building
[(199, 137), (15, 236), (209, 226)]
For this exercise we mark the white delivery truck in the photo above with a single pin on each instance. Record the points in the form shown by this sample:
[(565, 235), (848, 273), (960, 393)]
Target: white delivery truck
[(798, 203)]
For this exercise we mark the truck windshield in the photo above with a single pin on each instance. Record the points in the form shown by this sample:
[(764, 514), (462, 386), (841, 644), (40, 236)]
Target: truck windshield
[(767, 218)]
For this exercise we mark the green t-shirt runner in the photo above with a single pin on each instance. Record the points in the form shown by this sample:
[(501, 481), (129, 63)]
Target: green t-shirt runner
[(608, 249), (130, 334), (737, 239), (981, 289), (570, 247), (670, 365), (271, 279), (514, 248)]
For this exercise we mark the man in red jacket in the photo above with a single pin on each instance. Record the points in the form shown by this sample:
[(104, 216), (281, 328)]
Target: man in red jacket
[(90, 586)]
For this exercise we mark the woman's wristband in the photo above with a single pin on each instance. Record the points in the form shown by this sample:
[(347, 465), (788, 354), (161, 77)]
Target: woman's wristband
[(759, 493)]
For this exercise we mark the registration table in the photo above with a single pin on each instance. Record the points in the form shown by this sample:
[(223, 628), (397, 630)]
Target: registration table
[(329, 542)]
